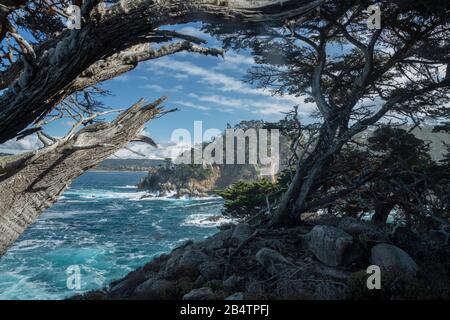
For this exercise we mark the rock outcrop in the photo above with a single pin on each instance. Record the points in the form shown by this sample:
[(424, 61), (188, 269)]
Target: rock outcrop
[(393, 259), (332, 246), (200, 294), (306, 262)]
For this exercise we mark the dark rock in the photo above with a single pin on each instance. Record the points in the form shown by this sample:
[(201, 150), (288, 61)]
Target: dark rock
[(408, 240), (236, 296), (192, 259), (288, 289), (256, 290), (232, 282), (154, 289), (185, 263), (200, 294), (218, 240), (272, 261), (126, 286), (211, 271), (392, 258), (332, 246), (440, 237), (241, 233)]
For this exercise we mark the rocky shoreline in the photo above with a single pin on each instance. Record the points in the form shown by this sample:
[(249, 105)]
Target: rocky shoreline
[(325, 258)]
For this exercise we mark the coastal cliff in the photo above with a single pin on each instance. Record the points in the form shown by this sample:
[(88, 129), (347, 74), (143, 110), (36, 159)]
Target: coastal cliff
[(194, 180)]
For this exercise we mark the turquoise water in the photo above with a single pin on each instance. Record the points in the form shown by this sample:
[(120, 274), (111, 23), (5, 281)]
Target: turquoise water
[(101, 225)]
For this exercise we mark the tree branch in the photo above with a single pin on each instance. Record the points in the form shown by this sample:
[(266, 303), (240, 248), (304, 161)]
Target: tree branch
[(32, 182)]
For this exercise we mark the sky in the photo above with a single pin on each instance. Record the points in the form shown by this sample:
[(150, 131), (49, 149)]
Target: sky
[(207, 89)]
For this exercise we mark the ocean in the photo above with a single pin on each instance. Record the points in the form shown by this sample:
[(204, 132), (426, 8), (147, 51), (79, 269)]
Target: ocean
[(104, 228)]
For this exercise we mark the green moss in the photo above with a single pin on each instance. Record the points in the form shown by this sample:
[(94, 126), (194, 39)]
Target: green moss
[(215, 285)]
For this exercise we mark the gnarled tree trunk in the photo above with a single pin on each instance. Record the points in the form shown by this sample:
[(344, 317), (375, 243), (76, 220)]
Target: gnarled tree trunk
[(32, 182)]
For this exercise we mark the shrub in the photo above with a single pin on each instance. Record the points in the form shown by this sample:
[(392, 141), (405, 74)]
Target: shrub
[(243, 199), (215, 285)]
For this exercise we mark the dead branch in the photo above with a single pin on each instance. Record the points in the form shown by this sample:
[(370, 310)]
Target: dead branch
[(32, 182)]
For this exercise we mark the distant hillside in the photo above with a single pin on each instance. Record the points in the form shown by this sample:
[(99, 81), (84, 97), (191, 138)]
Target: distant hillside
[(2, 154), (425, 133), (435, 138), (128, 164)]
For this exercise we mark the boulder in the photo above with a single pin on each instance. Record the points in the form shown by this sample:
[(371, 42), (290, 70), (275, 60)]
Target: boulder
[(236, 296), (154, 288), (218, 240), (127, 285), (192, 259), (240, 233), (200, 294), (232, 282), (392, 258), (186, 263), (211, 271), (332, 246), (272, 261)]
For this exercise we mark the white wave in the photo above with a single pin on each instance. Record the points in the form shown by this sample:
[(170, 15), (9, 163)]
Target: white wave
[(157, 225), (206, 220), (99, 194), (31, 244), (20, 287), (51, 214), (126, 187), (171, 196)]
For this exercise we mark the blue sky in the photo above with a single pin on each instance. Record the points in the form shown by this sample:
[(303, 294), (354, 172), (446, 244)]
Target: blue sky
[(207, 89)]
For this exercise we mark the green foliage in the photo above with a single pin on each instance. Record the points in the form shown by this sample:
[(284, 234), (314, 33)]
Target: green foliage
[(401, 145), (247, 198), (215, 285)]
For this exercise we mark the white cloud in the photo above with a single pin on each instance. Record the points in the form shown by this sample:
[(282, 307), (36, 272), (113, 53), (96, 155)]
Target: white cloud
[(168, 149), (180, 76), (159, 88), (235, 62), (227, 84), (122, 78), (262, 106), (192, 105), (14, 146), (195, 32)]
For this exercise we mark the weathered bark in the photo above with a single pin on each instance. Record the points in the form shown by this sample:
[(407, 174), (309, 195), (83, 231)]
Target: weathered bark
[(55, 72), (32, 182)]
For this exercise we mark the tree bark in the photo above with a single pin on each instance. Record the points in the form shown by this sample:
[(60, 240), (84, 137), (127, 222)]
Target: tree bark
[(382, 211), (32, 182), (293, 201)]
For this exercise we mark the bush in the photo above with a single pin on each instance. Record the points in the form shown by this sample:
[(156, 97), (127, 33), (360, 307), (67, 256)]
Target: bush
[(243, 199), (215, 285)]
